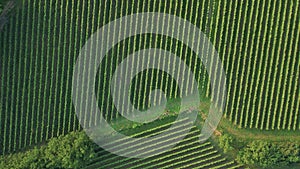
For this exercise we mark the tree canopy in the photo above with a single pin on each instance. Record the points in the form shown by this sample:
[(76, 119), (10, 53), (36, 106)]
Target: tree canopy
[(266, 154), (74, 150)]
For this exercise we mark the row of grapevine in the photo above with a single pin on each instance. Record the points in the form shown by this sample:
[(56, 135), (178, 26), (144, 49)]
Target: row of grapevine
[(224, 49), (189, 152), (268, 101), (286, 47), (236, 49), (248, 56), (41, 33), (271, 63), (263, 66), (34, 120), (228, 72), (293, 69), (279, 50), (13, 127), (295, 101), (6, 117), (255, 25)]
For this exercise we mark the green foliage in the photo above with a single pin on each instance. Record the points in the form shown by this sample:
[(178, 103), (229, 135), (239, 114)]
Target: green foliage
[(71, 151), (290, 151), (265, 154), (225, 142), (33, 159)]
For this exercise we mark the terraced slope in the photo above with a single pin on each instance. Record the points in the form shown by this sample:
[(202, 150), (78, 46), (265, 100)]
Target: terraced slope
[(189, 153)]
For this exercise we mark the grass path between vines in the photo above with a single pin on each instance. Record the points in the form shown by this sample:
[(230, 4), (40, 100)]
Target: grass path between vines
[(257, 134), (247, 134)]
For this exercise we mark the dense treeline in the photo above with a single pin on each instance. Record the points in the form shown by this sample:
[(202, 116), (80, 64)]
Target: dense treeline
[(266, 154), (260, 153), (74, 150)]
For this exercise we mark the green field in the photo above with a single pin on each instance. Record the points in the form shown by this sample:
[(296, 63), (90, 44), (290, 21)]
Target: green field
[(257, 42)]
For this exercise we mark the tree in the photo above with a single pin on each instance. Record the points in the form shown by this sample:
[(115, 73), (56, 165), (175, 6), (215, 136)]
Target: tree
[(259, 153), (74, 150), (265, 154), (225, 142)]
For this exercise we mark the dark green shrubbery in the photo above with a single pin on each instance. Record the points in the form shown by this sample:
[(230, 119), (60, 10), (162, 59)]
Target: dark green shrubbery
[(265, 154), (74, 150)]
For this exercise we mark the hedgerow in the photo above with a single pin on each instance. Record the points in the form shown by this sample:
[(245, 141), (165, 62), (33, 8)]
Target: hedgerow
[(73, 150)]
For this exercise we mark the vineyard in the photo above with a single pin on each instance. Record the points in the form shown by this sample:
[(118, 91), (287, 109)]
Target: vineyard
[(189, 153), (257, 42)]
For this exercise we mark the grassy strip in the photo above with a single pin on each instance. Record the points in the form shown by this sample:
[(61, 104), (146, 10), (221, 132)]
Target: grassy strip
[(257, 134)]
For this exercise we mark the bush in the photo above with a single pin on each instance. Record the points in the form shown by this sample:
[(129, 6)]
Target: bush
[(225, 142), (33, 159), (71, 151), (74, 150), (266, 154)]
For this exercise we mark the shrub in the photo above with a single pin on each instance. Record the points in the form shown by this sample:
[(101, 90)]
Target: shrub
[(71, 151), (225, 142), (265, 154), (74, 150)]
